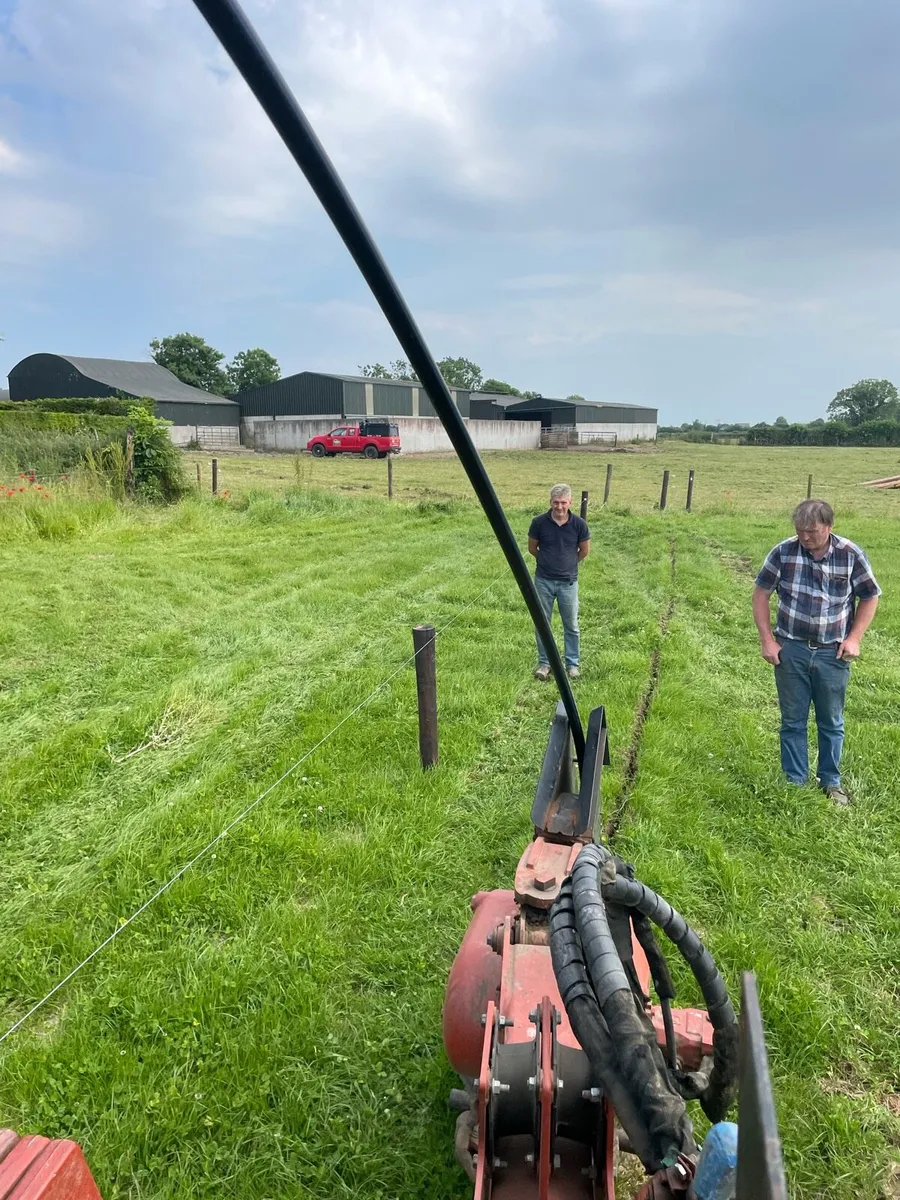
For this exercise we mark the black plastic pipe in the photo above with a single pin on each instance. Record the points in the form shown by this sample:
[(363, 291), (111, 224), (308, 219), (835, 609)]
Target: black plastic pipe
[(241, 42)]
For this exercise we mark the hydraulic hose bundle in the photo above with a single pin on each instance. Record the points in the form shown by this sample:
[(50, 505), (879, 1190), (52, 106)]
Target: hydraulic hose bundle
[(590, 943)]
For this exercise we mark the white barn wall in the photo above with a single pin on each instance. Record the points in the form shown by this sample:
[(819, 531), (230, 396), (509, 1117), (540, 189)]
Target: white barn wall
[(418, 435)]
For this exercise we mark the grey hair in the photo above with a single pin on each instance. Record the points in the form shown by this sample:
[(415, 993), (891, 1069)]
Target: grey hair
[(560, 491), (812, 512)]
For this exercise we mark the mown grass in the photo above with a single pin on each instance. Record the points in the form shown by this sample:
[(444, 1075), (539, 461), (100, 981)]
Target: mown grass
[(271, 1027)]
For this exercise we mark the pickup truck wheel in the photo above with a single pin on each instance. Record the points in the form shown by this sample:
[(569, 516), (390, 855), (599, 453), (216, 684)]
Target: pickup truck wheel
[(371, 452), (318, 450)]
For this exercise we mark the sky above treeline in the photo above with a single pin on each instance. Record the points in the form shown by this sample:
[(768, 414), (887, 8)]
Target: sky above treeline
[(689, 204)]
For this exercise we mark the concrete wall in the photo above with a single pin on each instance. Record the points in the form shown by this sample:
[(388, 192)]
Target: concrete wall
[(418, 435), (209, 437), (626, 432)]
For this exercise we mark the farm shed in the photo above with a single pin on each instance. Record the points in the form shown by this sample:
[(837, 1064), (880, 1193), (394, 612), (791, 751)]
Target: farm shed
[(213, 421), (338, 397), (627, 421), (284, 415)]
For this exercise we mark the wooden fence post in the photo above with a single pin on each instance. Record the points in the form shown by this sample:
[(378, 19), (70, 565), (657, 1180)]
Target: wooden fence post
[(664, 494), (426, 693), (197, 465), (809, 488), (608, 482), (390, 466), (584, 505), (690, 491), (215, 476)]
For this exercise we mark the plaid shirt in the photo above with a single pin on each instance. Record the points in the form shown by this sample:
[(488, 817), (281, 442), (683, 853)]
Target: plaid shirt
[(816, 599)]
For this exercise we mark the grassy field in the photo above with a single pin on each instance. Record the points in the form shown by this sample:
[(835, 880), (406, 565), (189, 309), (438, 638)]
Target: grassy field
[(271, 1026)]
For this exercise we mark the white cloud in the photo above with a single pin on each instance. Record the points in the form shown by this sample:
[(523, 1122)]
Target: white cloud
[(11, 161)]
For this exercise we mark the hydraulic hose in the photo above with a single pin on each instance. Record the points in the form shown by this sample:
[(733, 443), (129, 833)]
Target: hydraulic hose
[(604, 1005), (718, 1096), (588, 1024), (638, 1064)]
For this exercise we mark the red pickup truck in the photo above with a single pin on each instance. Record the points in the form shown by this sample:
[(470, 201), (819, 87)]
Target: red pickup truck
[(374, 439)]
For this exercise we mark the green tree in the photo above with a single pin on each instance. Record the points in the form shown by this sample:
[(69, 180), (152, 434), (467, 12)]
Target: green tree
[(461, 373), (867, 400), (578, 399), (399, 369), (252, 368), (780, 421), (498, 387), (192, 360)]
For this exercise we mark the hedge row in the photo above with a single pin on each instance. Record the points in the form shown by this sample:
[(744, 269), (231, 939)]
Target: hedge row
[(832, 433), (63, 443), (108, 406)]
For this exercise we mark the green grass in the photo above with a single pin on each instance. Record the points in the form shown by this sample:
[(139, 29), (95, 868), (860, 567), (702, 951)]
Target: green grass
[(271, 1027)]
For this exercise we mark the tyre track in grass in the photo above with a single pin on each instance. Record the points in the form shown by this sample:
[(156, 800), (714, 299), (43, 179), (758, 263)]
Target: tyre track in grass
[(633, 752)]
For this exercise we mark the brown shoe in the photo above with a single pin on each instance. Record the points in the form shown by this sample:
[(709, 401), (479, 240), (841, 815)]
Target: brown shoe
[(542, 673), (838, 794), (573, 673)]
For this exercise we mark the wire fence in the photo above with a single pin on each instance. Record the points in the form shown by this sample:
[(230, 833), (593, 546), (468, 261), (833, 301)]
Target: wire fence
[(242, 816)]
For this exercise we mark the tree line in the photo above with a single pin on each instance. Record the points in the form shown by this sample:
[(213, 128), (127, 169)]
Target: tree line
[(866, 414), (458, 373), (195, 362)]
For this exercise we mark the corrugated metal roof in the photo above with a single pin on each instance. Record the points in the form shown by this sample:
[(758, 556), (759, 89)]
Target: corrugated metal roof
[(407, 383), (142, 379), (546, 402)]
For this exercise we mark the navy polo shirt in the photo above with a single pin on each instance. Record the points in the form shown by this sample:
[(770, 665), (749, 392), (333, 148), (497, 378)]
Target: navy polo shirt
[(557, 556)]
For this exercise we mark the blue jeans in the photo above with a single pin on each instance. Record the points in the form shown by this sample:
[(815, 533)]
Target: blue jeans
[(565, 593), (819, 677)]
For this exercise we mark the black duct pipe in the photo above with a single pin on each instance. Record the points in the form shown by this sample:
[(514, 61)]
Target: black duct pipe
[(239, 39)]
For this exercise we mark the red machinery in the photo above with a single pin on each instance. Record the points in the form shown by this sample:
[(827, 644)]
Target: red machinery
[(536, 1123)]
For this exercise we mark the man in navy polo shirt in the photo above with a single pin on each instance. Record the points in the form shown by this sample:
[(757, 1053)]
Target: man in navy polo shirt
[(827, 596), (559, 540)]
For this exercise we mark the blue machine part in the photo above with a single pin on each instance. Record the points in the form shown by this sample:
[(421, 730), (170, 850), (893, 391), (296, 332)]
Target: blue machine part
[(716, 1176)]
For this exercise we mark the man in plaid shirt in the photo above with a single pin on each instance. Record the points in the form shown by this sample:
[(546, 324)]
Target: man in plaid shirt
[(827, 596)]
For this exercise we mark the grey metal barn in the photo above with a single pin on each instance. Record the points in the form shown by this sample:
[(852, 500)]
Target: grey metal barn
[(627, 421), (214, 421), (313, 393)]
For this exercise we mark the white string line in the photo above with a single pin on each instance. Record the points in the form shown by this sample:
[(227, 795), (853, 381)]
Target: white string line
[(241, 816)]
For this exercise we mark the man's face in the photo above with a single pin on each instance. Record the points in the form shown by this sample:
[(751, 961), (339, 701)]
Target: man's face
[(814, 538), (559, 505)]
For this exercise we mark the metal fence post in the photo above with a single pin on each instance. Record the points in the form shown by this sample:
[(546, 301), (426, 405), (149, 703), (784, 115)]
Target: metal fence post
[(608, 482), (584, 505), (664, 494), (690, 491), (426, 692), (129, 462)]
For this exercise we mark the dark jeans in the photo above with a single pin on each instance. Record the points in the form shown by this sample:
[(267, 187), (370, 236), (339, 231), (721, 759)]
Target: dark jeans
[(811, 676)]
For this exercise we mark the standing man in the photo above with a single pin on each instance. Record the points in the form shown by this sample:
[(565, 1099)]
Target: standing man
[(559, 541), (827, 596)]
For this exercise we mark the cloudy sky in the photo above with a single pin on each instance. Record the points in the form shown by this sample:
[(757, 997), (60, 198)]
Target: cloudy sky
[(693, 204)]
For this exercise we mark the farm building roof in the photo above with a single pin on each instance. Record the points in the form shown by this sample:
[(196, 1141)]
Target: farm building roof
[(143, 379), (138, 379)]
